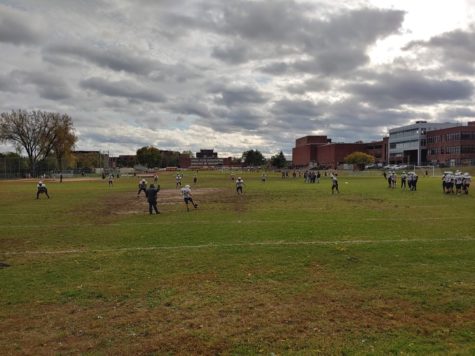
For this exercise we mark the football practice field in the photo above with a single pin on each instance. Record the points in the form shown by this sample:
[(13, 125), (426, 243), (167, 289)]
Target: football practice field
[(286, 268)]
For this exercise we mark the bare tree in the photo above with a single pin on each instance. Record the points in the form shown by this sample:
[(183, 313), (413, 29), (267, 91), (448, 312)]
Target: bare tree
[(37, 132)]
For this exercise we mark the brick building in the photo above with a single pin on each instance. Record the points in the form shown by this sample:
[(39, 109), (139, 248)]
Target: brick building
[(203, 159), (408, 144), (305, 150), (378, 149), (320, 151), (452, 146), (206, 154), (333, 154)]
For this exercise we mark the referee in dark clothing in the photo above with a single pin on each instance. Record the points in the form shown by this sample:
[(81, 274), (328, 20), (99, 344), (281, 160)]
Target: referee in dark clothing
[(151, 194)]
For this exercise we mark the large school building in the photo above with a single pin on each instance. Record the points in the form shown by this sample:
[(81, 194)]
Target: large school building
[(421, 143), (454, 146)]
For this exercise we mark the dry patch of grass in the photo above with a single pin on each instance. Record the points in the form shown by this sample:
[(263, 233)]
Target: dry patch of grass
[(200, 313)]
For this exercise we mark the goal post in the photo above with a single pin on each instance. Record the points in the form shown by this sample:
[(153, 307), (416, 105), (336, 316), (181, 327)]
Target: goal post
[(425, 170)]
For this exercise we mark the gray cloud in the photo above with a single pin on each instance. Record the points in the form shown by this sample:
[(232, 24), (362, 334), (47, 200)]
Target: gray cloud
[(237, 95), (276, 68), (275, 28), (333, 62), (357, 117), (233, 53), (193, 106), (459, 112), (109, 138), (9, 83), (410, 88), (315, 84), (259, 72), (18, 28), (48, 85), (246, 119), (455, 50), (106, 57), (122, 88), (295, 108), (236, 119)]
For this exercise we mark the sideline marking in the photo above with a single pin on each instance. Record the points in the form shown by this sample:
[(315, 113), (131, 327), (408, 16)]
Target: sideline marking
[(239, 244)]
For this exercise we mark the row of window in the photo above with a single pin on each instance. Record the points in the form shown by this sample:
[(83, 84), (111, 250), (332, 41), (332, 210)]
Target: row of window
[(407, 133), (456, 136), (413, 144), (452, 150)]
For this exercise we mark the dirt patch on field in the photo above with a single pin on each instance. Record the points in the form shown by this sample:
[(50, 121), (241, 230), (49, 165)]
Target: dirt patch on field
[(127, 203)]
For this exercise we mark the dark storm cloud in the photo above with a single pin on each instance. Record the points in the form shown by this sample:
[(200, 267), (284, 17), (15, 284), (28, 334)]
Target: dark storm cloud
[(18, 28), (410, 88), (455, 50), (122, 88), (114, 59)]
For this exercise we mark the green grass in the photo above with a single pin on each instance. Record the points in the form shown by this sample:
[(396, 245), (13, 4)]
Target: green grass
[(287, 268)]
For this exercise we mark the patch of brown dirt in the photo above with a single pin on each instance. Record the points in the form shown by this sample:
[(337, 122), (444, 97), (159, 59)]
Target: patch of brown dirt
[(124, 203)]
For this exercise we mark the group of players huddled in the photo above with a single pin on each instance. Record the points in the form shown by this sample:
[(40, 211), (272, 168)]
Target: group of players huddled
[(408, 180), (458, 180)]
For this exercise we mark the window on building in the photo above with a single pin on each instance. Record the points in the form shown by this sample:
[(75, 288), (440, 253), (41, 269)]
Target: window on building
[(467, 149), (467, 136)]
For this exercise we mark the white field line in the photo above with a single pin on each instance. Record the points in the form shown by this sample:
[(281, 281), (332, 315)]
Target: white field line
[(214, 222), (240, 244)]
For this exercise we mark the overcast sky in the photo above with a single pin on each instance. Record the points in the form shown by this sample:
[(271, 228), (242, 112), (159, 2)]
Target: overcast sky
[(237, 75)]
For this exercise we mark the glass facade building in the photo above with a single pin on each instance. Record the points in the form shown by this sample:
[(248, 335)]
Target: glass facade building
[(408, 144)]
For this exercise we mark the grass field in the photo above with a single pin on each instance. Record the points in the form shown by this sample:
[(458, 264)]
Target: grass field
[(287, 268)]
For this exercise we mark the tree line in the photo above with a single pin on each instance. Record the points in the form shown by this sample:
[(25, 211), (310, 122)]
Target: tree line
[(44, 136), (40, 134), (152, 157)]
